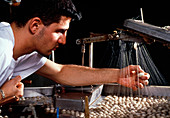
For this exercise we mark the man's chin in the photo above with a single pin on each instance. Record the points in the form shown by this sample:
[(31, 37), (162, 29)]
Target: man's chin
[(45, 54)]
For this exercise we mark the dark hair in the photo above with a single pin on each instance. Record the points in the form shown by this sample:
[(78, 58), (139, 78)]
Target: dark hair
[(48, 11)]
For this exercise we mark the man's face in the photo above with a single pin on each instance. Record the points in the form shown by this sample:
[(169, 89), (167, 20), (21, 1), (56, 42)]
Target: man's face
[(50, 37)]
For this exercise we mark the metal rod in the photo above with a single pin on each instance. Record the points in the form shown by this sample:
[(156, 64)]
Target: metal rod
[(83, 50), (91, 55), (86, 107), (108, 37), (141, 11), (53, 56), (92, 39)]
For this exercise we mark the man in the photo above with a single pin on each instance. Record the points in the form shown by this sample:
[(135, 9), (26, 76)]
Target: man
[(37, 28)]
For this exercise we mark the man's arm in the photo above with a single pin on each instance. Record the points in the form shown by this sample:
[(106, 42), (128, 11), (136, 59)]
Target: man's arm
[(75, 75)]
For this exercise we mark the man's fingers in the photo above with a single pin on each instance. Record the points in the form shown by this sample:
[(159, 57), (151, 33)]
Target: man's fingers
[(144, 82), (139, 85), (20, 87), (136, 69), (146, 76), (16, 80)]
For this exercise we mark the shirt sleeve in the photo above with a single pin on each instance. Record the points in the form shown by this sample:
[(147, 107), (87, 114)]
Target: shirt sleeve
[(29, 64)]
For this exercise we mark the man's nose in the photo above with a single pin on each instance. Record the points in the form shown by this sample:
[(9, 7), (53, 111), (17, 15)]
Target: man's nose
[(62, 39)]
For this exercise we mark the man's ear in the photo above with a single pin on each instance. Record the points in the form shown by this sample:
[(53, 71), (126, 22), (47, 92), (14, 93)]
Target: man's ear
[(34, 25)]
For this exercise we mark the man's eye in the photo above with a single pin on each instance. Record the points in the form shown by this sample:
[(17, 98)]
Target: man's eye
[(61, 31)]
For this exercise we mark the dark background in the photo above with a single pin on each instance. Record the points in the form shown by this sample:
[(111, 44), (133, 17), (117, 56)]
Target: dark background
[(104, 16)]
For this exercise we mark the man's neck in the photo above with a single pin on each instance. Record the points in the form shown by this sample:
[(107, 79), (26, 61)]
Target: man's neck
[(23, 44)]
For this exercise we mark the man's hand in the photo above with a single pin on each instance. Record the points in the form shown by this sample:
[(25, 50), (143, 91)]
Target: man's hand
[(130, 77), (13, 87)]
